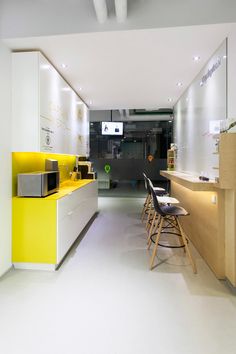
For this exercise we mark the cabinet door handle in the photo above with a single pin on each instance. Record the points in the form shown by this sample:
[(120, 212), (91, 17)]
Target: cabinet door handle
[(70, 213)]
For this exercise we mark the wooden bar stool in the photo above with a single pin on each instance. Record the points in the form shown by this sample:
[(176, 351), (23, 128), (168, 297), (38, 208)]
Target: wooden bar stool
[(167, 214), (148, 202)]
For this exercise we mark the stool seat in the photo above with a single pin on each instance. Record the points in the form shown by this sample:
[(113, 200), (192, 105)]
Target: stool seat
[(173, 210), (159, 189), (167, 200)]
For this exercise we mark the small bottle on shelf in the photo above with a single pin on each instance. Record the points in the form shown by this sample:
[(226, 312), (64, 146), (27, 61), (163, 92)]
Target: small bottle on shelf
[(171, 159)]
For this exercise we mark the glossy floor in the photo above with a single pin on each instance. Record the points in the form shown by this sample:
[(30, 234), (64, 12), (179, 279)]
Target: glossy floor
[(104, 300)]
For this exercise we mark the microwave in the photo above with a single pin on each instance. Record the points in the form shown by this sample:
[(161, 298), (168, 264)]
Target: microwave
[(37, 184)]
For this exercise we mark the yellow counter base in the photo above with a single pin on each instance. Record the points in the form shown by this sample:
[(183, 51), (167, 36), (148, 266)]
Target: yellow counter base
[(34, 230), (39, 224)]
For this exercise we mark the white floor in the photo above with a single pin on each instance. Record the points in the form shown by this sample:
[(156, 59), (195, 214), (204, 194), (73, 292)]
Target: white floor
[(104, 300)]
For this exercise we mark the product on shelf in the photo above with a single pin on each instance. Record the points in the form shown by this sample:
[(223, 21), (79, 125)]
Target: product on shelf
[(171, 156)]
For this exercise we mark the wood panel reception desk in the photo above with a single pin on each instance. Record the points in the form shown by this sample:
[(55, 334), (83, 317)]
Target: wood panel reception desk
[(211, 224)]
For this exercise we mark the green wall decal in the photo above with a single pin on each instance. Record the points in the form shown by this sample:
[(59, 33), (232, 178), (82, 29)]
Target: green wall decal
[(107, 168)]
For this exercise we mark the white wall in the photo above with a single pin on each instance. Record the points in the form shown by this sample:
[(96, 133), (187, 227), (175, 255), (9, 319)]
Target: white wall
[(5, 158), (199, 106), (232, 76)]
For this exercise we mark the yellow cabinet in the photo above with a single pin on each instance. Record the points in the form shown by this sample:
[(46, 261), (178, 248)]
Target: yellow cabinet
[(44, 229), (34, 230)]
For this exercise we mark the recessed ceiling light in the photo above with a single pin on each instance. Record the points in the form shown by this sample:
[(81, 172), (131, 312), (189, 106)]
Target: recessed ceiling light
[(179, 84), (169, 99), (64, 66), (224, 56), (80, 88), (66, 89), (45, 66), (196, 58)]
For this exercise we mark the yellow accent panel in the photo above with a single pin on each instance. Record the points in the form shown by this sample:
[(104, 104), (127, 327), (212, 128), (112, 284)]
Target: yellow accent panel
[(35, 161), (34, 230)]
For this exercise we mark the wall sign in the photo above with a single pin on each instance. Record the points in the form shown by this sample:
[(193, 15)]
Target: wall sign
[(107, 168), (210, 72)]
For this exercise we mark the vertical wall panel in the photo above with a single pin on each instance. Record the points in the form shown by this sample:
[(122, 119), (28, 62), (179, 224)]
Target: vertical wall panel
[(203, 102)]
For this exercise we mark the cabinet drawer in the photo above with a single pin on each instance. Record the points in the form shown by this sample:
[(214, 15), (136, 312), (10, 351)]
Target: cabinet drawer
[(67, 234), (72, 224), (68, 203)]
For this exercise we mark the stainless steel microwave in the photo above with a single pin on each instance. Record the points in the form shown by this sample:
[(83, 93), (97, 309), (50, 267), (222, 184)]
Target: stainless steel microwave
[(37, 184)]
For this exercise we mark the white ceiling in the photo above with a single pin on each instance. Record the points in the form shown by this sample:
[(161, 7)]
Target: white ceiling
[(130, 69), (25, 18), (135, 64)]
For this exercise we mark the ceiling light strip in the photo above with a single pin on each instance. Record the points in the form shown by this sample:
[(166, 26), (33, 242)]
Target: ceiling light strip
[(101, 10), (121, 10)]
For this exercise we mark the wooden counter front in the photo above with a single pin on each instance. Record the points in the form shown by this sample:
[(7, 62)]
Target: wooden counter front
[(211, 225), (205, 226)]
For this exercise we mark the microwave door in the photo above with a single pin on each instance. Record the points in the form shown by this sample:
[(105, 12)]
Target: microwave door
[(51, 182)]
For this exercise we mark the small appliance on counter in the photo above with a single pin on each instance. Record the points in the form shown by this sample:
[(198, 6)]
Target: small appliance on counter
[(37, 184), (51, 165), (84, 167)]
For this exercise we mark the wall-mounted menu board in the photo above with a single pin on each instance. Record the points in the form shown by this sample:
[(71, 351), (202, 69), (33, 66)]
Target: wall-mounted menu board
[(197, 115)]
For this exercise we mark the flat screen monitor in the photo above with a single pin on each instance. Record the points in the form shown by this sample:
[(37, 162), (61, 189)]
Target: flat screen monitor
[(112, 128)]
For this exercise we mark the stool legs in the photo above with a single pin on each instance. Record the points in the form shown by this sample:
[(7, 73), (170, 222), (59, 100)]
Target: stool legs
[(146, 206), (152, 224), (186, 247), (156, 244), (152, 231), (158, 223), (149, 215)]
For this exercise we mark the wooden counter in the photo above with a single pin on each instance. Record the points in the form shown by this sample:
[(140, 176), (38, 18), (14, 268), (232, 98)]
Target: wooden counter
[(205, 226), (189, 181), (211, 225)]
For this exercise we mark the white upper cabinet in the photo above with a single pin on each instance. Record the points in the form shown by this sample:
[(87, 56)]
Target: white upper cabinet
[(48, 116)]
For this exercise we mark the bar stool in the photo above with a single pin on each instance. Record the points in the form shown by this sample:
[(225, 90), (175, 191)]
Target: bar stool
[(167, 214), (163, 199), (147, 204)]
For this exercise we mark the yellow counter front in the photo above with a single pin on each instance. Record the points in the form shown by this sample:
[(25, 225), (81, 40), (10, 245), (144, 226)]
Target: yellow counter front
[(44, 229)]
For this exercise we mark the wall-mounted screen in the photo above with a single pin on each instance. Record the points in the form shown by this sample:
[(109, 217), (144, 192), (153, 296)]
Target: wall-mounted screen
[(112, 128)]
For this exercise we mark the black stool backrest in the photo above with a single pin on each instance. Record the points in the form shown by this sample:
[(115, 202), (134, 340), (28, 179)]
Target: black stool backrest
[(156, 204), (147, 183), (145, 180)]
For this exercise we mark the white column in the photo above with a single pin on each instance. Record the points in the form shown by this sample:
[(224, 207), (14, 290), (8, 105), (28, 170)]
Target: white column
[(5, 158)]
